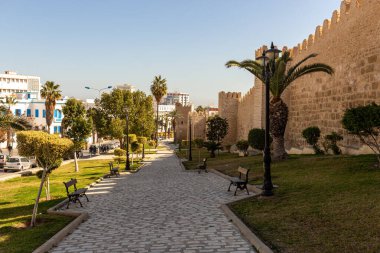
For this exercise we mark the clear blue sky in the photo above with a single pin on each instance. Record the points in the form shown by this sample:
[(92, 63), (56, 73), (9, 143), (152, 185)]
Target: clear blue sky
[(101, 43)]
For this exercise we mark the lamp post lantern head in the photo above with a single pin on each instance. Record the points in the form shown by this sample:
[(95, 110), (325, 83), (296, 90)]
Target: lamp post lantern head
[(273, 53)]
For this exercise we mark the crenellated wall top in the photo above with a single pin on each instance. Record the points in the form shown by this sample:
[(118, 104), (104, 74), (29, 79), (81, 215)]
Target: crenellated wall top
[(347, 9), (229, 95)]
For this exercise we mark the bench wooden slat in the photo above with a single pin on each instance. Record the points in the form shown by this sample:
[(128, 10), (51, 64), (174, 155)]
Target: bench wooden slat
[(242, 170)]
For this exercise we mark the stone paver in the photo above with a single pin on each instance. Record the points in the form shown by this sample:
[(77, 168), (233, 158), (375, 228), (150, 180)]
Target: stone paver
[(160, 209)]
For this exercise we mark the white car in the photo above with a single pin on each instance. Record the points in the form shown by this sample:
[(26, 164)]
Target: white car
[(17, 163)]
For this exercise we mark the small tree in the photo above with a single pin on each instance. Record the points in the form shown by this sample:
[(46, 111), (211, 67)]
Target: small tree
[(119, 153), (256, 138), (48, 149), (76, 125), (331, 141), (135, 148), (312, 134), (217, 129), (364, 122), (242, 146)]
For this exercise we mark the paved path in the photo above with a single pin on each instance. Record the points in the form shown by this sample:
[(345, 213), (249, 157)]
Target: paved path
[(159, 209)]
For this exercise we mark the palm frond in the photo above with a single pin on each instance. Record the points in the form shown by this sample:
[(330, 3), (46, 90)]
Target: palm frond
[(252, 66), (307, 69), (293, 68)]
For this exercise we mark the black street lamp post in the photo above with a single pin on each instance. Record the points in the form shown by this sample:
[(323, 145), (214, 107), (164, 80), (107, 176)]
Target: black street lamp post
[(127, 166), (143, 151), (268, 60), (190, 147)]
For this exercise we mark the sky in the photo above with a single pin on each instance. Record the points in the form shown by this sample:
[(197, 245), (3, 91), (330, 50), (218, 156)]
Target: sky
[(100, 43)]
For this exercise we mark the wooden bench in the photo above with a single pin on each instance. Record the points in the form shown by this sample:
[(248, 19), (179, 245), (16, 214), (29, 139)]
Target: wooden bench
[(76, 194), (114, 171), (241, 181), (202, 166)]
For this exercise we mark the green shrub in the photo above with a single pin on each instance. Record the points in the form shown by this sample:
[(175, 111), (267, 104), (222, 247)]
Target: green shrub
[(142, 140), (199, 143), (364, 122), (119, 152), (331, 141), (212, 146), (256, 138), (132, 138), (152, 143), (136, 147), (312, 134), (242, 145), (185, 143)]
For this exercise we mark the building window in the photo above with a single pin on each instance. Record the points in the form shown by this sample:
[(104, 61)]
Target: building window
[(55, 129), (36, 113), (28, 113), (18, 112), (43, 113)]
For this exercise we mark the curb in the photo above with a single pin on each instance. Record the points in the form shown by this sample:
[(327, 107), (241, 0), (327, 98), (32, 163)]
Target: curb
[(259, 245), (245, 231), (60, 235)]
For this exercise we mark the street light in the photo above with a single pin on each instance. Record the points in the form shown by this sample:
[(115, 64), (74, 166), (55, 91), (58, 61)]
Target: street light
[(190, 154), (127, 166), (268, 61), (143, 151), (99, 90)]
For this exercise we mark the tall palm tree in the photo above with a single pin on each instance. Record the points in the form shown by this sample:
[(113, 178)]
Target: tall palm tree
[(158, 89), (9, 101), (285, 74), (174, 116), (51, 93)]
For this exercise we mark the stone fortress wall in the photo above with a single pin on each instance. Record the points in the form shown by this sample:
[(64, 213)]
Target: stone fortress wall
[(182, 122), (350, 43)]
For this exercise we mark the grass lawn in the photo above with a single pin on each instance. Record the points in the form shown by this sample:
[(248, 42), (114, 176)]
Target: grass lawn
[(17, 199), (323, 203)]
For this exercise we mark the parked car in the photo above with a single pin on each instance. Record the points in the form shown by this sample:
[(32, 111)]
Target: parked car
[(17, 163), (33, 161), (3, 160)]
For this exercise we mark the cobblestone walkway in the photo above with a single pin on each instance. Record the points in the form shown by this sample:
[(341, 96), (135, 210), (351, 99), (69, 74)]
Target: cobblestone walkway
[(159, 209)]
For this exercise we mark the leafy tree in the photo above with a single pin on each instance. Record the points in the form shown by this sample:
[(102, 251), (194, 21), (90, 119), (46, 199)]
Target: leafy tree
[(99, 122), (159, 90), (75, 124), (285, 74), (200, 109), (117, 128), (331, 141), (217, 128), (140, 111), (256, 138), (51, 93), (242, 145), (48, 150), (199, 143), (364, 122), (312, 134), (9, 101)]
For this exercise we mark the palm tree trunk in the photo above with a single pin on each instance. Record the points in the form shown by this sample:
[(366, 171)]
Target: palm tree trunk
[(157, 126), (278, 122)]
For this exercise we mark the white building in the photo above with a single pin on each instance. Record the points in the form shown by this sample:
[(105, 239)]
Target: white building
[(172, 98), (27, 87), (129, 87)]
